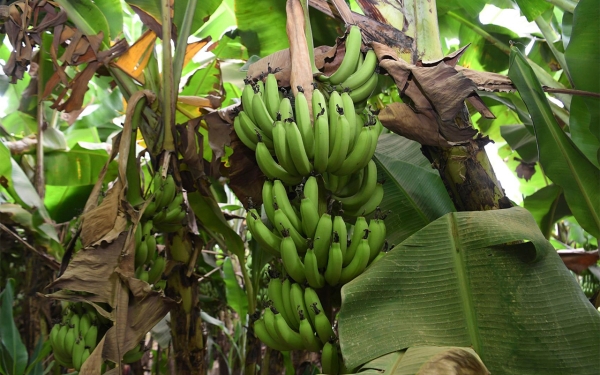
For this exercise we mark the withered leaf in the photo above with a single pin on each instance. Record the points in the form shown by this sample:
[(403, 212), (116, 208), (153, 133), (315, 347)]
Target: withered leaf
[(104, 219), (525, 170), (301, 65), (191, 146), (245, 177), (578, 260), (218, 133)]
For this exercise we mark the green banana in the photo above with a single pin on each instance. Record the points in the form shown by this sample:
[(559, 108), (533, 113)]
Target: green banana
[(313, 276), (91, 337), (69, 341), (271, 327), (363, 73), (311, 189), (350, 114), (259, 88), (267, 195), (339, 226), (151, 245), (322, 239), (85, 355), (355, 160), (336, 107), (309, 340), (350, 60), (245, 135), (322, 325), (297, 149), (359, 261), (319, 105), (334, 262), (359, 230), (291, 261), (179, 248), (74, 323), (53, 334), (309, 211), (252, 131), (262, 116), (340, 147), (143, 275), (286, 295), (168, 188), (304, 123), (297, 299), (280, 195), (282, 150), (364, 193), (157, 269), (330, 362), (377, 232), (85, 322), (77, 353), (321, 143), (270, 168), (271, 95), (283, 225), (285, 110), (371, 205), (311, 298), (134, 354), (260, 331), (268, 240), (141, 253), (274, 292), (138, 234), (364, 92), (290, 336), (247, 95)]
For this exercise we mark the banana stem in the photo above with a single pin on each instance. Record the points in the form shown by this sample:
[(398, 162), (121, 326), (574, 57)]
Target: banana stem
[(168, 82), (182, 38), (249, 286)]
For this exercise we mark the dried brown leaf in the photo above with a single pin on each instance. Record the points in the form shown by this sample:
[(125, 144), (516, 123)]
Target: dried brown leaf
[(190, 146), (301, 66), (218, 134), (245, 177), (277, 60), (525, 170), (105, 221), (134, 61), (488, 81), (578, 260), (153, 23)]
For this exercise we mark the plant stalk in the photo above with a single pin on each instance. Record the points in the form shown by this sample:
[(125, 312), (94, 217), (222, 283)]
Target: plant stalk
[(168, 115), (549, 35), (567, 5), (182, 38)]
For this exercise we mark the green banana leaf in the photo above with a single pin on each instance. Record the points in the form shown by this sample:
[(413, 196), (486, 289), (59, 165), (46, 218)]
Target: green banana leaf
[(562, 161), (261, 24), (547, 206), (464, 280), (427, 360), (236, 297), (413, 190)]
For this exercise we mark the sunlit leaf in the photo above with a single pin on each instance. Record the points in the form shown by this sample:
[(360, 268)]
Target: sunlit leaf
[(261, 25), (203, 13), (531, 9), (547, 206), (114, 16), (236, 297)]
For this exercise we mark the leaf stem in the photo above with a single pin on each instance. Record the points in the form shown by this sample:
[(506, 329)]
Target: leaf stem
[(567, 5), (309, 36), (549, 35), (167, 89), (182, 38)]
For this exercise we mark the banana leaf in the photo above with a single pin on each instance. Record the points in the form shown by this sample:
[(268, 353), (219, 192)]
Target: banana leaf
[(487, 280)]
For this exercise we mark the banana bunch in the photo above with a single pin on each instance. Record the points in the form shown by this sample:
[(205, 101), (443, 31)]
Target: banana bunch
[(357, 74), (166, 209), (295, 319), (134, 354), (149, 265), (76, 336)]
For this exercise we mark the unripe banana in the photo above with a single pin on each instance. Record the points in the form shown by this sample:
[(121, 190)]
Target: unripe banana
[(169, 188), (333, 271), (371, 205), (245, 134), (291, 261), (360, 154), (270, 326), (76, 355), (321, 143), (339, 226), (85, 322), (340, 147), (329, 359), (270, 168), (291, 337), (322, 325), (85, 355), (359, 262), (336, 107), (285, 110), (311, 189), (286, 295), (260, 331), (319, 104), (359, 231), (280, 196), (274, 292), (267, 195), (364, 92), (53, 334), (377, 232), (138, 234), (247, 95), (271, 95), (134, 355), (283, 226), (297, 149), (350, 114), (309, 211), (262, 116), (282, 149), (363, 73), (150, 209), (313, 276), (322, 239), (259, 88), (179, 248), (309, 340), (91, 337), (155, 272), (141, 253), (268, 240), (297, 299), (151, 245), (365, 192), (350, 60), (69, 341), (311, 298), (305, 124)]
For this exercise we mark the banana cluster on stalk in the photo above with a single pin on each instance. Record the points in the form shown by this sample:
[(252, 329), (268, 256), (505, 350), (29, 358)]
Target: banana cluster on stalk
[(149, 264), (76, 336), (166, 209), (316, 248)]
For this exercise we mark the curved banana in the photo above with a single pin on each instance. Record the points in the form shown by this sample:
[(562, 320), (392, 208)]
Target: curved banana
[(321, 143), (270, 326), (286, 295), (359, 262), (365, 192), (285, 110), (322, 325), (54, 333), (270, 168), (319, 105), (262, 116), (340, 147), (359, 231), (350, 114), (297, 299), (310, 341), (271, 95), (283, 225), (364, 92), (333, 271), (169, 189), (247, 95), (336, 108), (85, 322), (363, 73), (311, 189), (69, 341), (274, 292), (91, 337), (312, 298), (377, 232), (291, 261), (151, 245), (291, 337), (138, 234), (280, 195), (313, 276), (282, 150), (322, 239), (350, 60), (359, 155), (76, 355), (372, 204), (158, 267), (141, 253), (304, 123), (252, 132), (339, 226), (260, 331), (267, 196), (330, 362), (309, 211), (297, 149), (134, 354), (268, 240)]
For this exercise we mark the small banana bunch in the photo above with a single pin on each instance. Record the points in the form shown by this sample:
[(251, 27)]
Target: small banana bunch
[(357, 72), (76, 336), (149, 265), (166, 209), (295, 319)]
